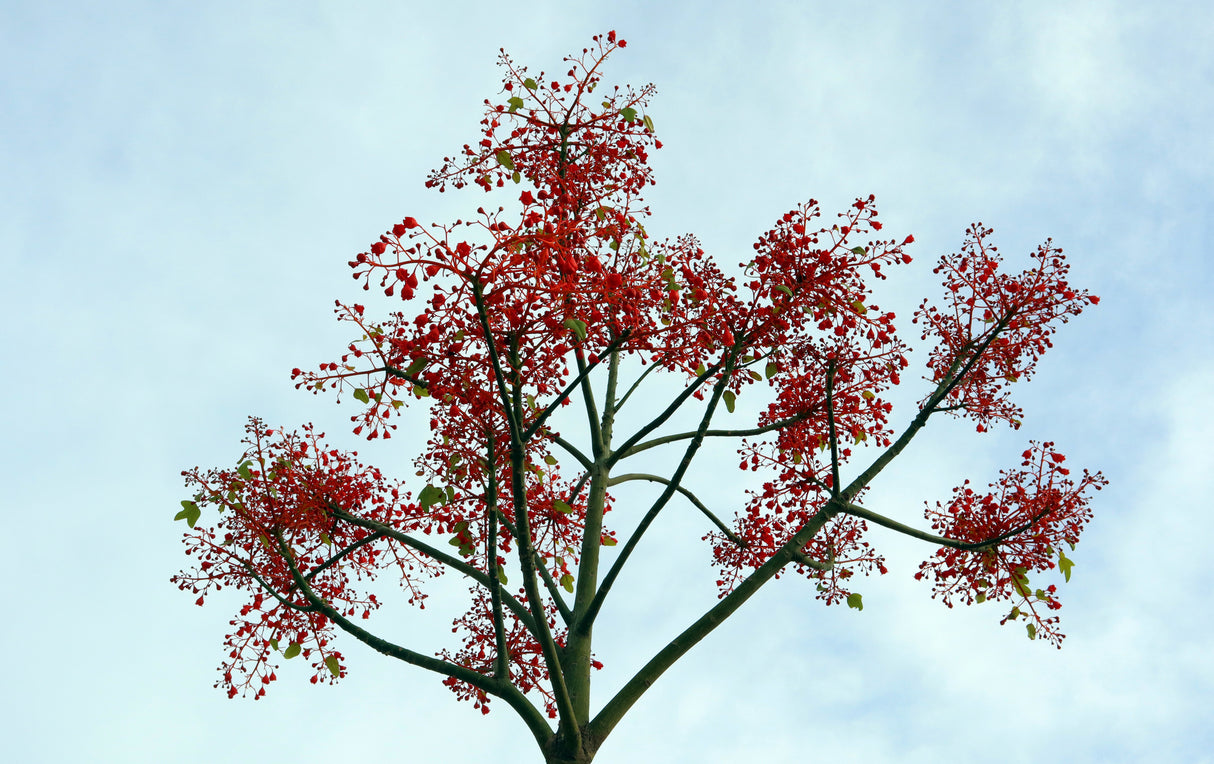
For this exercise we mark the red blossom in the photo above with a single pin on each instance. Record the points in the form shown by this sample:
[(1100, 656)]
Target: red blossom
[(283, 495), (1044, 509), (1011, 318), (508, 305)]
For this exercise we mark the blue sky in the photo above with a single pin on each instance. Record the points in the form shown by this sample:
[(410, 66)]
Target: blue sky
[(184, 182)]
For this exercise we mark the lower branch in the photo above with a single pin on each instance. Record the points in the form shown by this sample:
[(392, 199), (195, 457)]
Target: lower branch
[(631, 692), (479, 576), (530, 715)]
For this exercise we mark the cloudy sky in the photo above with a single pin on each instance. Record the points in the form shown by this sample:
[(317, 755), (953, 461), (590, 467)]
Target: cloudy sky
[(183, 184)]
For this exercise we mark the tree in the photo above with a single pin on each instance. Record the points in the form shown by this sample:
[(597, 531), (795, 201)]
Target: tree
[(560, 298)]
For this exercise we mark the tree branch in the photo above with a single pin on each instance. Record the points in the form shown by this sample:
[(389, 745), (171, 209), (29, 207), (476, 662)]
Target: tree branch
[(592, 414), (945, 386), (274, 593), (392, 371), (501, 664), (636, 384), (569, 723), (799, 556), (633, 451), (657, 422), (583, 373), (632, 691), (574, 451), (551, 585), (479, 576), (333, 560), (597, 603), (906, 530), (830, 422), (502, 689)]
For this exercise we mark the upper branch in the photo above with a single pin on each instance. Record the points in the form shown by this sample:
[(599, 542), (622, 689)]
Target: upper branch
[(799, 556), (719, 433), (583, 373), (657, 422), (692, 447), (945, 386), (834, 436)]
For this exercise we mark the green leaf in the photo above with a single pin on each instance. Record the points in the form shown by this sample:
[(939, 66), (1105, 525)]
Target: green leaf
[(567, 583), (503, 158), (609, 541), (628, 113), (516, 103), (858, 306), (501, 575), (1020, 582), (980, 598), (274, 644), (417, 365), (189, 512), (244, 471), (1065, 564), (430, 496), (859, 250), (729, 397), (772, 369), (562, 507), (867, 395), (361, 395), (785, 290), (649, 123), (577, 327), (550, 460), (530, 84), (332, 665), (855, 601), (1032, 630), (292, 650)]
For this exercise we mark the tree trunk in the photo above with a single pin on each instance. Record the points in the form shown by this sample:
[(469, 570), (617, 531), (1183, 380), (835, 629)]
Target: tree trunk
[(566, 751)]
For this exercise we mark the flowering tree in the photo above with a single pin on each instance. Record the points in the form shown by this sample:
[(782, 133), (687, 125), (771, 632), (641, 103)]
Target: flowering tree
[(559, 298)]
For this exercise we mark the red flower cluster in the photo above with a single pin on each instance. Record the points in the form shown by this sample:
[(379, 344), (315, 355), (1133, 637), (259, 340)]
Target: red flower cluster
[(1036, 510), (515, 304), (1008, 319), (277, 512)]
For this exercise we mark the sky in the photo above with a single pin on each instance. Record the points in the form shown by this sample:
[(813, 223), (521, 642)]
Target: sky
[(182, 186)]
